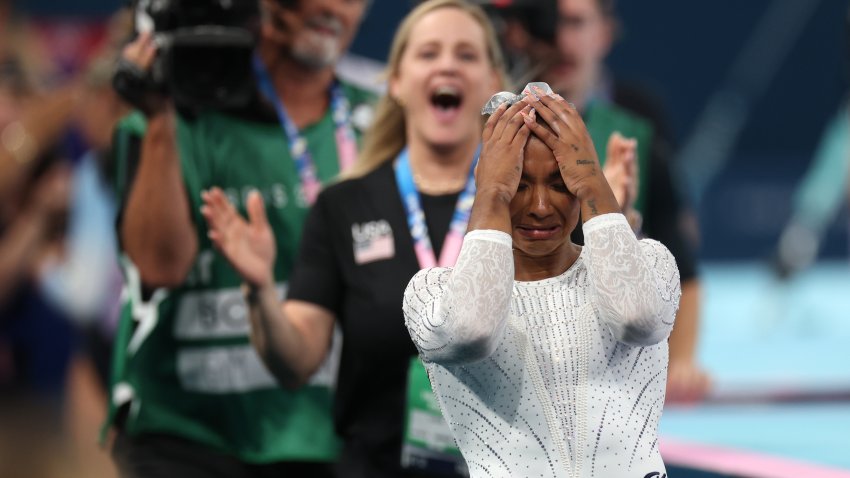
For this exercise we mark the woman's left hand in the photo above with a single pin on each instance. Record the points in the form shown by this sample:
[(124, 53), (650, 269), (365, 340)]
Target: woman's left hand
[(574, 152), (569, 140)]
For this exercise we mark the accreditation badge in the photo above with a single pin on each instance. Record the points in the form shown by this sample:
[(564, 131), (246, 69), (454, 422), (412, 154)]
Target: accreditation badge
[(428, 444)]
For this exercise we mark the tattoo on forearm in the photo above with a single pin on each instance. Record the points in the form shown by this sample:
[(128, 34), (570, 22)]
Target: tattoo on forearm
[(592, 205), (584, 161)]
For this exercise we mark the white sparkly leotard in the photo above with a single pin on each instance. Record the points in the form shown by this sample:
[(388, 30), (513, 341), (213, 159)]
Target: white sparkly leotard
[(562, 377)]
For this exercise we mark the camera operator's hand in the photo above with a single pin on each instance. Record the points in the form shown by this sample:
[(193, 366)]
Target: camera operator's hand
[(132, 74)]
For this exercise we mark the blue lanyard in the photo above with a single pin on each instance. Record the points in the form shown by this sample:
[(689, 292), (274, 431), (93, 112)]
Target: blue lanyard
[(416, 216), (344, 135)]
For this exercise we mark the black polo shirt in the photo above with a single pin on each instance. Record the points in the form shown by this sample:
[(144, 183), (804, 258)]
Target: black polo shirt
[(364, 287)]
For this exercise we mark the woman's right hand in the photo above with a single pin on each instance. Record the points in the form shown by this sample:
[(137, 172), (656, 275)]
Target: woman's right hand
[(504, 138), (249, 246)]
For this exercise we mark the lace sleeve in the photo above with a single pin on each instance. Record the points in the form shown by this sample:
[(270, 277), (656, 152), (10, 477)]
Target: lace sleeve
[(458, 315), (636, 283)]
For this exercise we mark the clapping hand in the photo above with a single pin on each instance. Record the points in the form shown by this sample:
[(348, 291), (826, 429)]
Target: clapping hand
[(249, 245), (621, 171)]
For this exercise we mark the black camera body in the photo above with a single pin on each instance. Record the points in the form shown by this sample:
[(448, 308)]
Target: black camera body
[(538, 17), (204, 53)]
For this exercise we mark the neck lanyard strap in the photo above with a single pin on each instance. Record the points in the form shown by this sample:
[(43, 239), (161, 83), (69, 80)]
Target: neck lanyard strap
[(345, 140), (416, 216)]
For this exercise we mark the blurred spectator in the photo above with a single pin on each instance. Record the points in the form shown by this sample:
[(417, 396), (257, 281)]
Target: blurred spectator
[(526, 30), (36, 339), (17, 43), (72, 292), (34, 193), (190, 396), (405, 207), (88, 283)]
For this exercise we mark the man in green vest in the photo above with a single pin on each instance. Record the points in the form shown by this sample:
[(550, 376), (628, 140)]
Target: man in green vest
[(585, 32), (190, 397)]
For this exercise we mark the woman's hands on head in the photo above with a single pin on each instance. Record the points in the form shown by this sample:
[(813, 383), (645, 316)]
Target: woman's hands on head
[(503, 144), (570, 142), (568, 139), (500, 167)]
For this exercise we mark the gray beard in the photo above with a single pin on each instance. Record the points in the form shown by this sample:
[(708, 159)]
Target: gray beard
[(315, 52)]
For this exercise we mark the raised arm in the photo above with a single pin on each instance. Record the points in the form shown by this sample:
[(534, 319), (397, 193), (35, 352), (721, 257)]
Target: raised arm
[(459, 315), (636, 284), (293, 337), (156, 229)]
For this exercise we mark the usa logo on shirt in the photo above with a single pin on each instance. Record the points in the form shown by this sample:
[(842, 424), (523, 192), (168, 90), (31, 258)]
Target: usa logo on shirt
[(373, 241)]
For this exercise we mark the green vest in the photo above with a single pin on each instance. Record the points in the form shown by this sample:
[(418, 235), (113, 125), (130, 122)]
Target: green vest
[(602, 119), (182, 358)]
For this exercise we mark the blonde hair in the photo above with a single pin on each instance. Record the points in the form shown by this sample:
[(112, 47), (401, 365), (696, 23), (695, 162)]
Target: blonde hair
[(387, 135)]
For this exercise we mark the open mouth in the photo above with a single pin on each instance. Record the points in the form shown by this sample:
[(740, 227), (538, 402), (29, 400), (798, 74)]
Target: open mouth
[(446, 98)]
